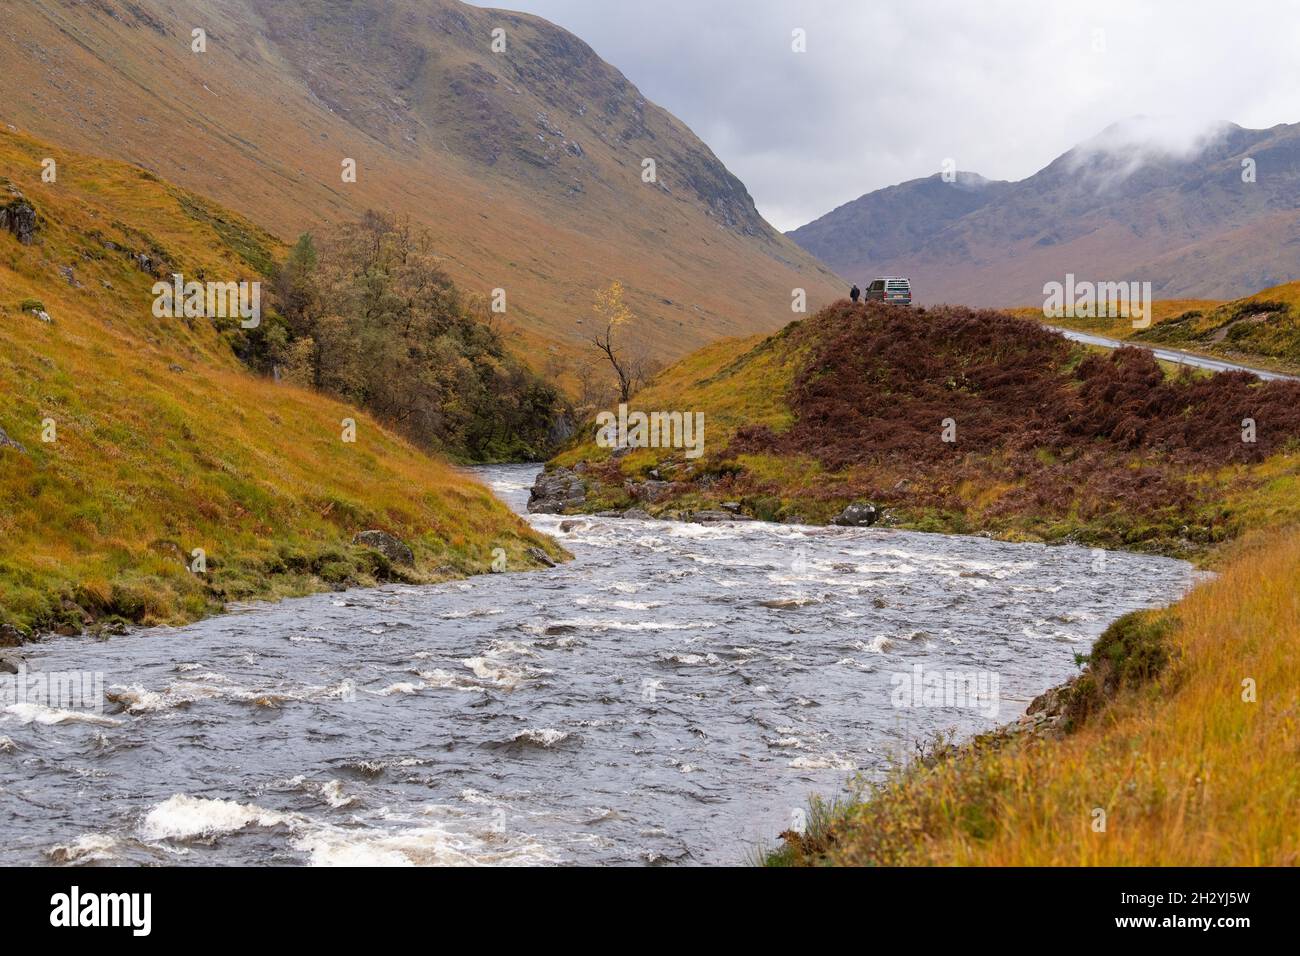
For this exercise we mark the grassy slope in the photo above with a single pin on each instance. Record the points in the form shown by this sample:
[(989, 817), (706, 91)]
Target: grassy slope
[(151, 462), (1186, 771), (1261, 330), (748, 383), (441, 128)]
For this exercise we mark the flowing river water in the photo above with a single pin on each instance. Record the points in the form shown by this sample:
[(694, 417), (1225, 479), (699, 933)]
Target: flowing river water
[(673, 695)]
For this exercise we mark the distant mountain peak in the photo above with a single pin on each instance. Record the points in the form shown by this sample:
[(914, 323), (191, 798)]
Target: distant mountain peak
[(1201, 210)]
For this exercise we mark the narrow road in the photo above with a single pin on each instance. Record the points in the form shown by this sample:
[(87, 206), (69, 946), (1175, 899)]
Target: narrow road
[(1174, 355)]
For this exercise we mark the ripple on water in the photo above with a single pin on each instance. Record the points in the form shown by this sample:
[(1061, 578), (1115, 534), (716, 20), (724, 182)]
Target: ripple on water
[(672, 695)]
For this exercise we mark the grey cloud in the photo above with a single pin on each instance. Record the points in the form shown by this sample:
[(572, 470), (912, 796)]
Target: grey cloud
[(890, 88)]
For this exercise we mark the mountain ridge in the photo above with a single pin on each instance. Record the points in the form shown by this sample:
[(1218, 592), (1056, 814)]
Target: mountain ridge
[(1138, 201), (525, 165)]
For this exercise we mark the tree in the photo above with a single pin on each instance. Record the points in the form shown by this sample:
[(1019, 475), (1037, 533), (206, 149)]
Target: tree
[(366, 313), (614, 315)]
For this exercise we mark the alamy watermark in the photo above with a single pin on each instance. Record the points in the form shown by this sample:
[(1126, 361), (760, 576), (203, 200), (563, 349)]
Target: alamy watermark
[(58, 690), (651, 430), (1090, 300), (209, 300), (972, 690)]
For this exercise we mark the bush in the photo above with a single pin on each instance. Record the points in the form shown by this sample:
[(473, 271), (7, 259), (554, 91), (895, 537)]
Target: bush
[(1129, 654)]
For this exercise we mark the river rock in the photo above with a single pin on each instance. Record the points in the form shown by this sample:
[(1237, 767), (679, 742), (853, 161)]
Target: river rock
[(537, 554), (637, 514), (557, 491), (710, 517), (860, 514), (10, 636), (10, 662), (392, 548)]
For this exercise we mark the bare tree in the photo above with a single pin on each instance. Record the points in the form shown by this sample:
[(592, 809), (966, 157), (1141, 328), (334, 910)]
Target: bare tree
[(614, 314)]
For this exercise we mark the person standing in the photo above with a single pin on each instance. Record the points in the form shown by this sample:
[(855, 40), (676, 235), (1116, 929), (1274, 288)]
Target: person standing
[(854, 293)]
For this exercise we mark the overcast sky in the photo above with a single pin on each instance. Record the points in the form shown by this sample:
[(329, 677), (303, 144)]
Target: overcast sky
[(888, 89)]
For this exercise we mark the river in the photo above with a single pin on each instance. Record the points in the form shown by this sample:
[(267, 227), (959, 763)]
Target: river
[(672, 696)]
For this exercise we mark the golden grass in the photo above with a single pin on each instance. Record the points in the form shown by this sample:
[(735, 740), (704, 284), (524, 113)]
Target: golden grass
[(1119, 327), (165, 444), (735, 382), (1188, 771)]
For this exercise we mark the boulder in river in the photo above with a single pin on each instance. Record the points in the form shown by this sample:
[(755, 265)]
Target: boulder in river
[(540, 556), (712, 516), (392, 548), (557, 491), (860, 514)]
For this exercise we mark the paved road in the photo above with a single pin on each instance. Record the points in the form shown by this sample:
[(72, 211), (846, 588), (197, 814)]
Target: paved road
[(1173, 355)]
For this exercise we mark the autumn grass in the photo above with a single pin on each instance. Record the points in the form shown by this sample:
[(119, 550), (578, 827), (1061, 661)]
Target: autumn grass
[(1196, 767), (1260, 330), (163, 444)]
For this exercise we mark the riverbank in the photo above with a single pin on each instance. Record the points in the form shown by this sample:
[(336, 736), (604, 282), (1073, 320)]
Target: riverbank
[(668, 697), (1183, 754), (146, 476), (958, 422)]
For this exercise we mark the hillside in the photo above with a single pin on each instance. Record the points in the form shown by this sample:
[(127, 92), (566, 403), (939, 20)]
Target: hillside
[(1113, 208), (128, 440), (525, 165), (1049, 440), (1262, 329)]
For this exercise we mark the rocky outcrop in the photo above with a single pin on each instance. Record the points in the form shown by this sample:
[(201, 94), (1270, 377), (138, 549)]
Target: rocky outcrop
[(7, 442), (393, 549), (19, 218), (557, 491), (860, 514), (651, 490)]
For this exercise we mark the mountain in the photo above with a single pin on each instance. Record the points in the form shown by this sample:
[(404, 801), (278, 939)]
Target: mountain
[(889, 223), (1132, 203), (128, 438), (526, 165)]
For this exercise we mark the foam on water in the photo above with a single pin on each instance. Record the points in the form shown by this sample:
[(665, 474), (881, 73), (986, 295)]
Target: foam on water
[(668, 697)]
